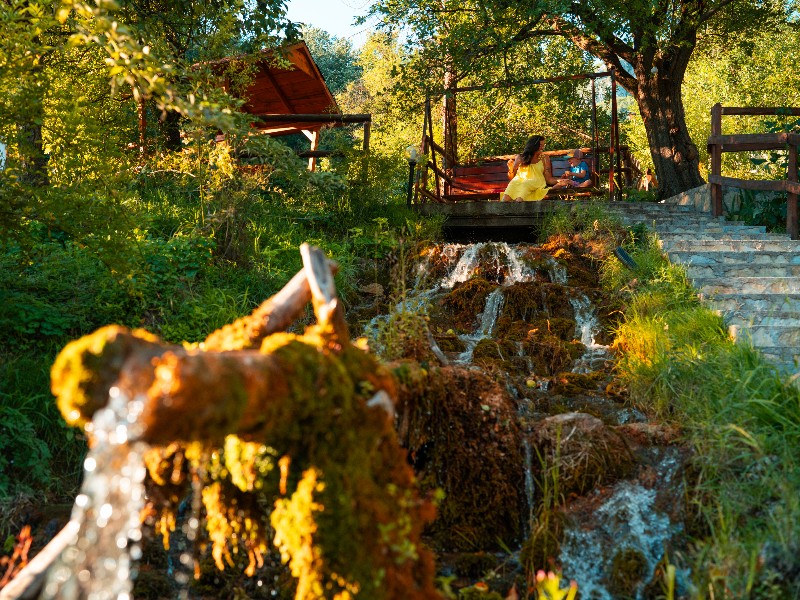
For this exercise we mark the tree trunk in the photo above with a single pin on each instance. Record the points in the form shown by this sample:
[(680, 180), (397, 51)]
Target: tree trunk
[(674, 155), (33, 158), (29, 135), (171, 128)]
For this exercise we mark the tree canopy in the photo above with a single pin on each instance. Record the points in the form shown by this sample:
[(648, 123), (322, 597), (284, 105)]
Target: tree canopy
[(649, 44)]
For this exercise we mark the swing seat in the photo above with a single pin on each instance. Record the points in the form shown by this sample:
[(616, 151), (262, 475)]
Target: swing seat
[(487, 179)]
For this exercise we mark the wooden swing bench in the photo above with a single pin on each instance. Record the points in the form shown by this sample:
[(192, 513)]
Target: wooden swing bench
[(487, 178)]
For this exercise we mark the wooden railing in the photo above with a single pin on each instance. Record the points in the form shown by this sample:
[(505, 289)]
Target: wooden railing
[(718, 143)]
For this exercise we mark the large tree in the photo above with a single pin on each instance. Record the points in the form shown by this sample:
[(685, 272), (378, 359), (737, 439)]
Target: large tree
[(648, 42)]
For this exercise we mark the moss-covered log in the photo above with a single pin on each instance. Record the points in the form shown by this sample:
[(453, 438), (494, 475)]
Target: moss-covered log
[(292, 438)]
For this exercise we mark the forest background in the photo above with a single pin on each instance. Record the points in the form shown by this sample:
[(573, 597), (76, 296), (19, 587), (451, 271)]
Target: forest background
[(180, 236)]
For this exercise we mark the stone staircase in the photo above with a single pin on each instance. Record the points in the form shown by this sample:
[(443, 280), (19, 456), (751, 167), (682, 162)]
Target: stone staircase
[(751, 277)]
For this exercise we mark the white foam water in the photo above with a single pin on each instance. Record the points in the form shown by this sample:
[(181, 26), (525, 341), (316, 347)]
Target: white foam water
[(626, 521), (100, 564), (587, 326), (494, 302)]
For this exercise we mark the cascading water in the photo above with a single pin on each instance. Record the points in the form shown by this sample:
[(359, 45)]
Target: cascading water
[(99, 565), (494, 302), (628, 520), (587, 327), (626, 528)]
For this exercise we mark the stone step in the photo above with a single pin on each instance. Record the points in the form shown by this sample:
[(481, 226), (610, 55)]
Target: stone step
[(787, 359), (754, 259), (780, 319), (732, 245), (743, 305), (765, 336), (712, 286), (742, 269), (659, 211), (711, 232), (648, 206)]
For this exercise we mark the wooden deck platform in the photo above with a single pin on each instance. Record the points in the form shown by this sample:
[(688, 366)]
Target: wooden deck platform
[(495, 221)]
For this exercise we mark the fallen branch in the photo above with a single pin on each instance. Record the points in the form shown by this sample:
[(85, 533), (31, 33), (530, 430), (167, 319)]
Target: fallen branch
[(28, 582)]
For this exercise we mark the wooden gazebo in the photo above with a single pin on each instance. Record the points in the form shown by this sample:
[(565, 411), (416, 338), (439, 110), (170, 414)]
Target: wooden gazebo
[(295, 99)]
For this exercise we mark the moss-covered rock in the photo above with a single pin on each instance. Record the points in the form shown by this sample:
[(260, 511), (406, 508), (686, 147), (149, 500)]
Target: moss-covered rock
[(549, 353), (462, 436), (573, 384), (582, 450), (628, 570), (466, 301)]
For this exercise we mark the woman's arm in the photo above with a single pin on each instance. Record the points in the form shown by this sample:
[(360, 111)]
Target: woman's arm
[(513, 165), (548, 171)]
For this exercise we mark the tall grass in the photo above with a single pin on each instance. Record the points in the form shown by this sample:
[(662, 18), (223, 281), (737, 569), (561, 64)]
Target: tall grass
[(741, 417)]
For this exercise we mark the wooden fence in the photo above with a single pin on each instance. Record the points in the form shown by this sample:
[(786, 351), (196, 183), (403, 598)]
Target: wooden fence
[(718, 143)]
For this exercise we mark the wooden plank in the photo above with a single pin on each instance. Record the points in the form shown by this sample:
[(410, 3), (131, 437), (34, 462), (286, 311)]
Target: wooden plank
[(732, 141), (791, 200), (440, 173), (426, 194), (437, 148), (750, 184), (494, 181), (716, 160), (314, 118), (462, 171), (467, 196), (507, 84), (760, 110)]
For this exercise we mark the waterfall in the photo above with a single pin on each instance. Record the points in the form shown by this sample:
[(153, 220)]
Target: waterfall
[(464, 268), (586, 327), (488, 319), (626, 523), (519, 270)]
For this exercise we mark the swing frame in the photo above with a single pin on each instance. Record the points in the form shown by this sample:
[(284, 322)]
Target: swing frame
[(454, 182)]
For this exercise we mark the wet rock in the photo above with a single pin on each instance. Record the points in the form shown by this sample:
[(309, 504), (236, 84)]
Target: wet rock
[(650, 434), (573, 384), (373, 289), (584, 451), (549, 353), (466, 301), (628, 569), (450, 342)]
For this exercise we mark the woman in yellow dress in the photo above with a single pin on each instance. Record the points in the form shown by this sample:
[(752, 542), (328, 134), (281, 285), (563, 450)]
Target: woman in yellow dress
[(529, 172)]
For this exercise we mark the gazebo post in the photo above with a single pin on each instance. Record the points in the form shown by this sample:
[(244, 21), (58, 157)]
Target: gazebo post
[(313, 137), (613, 145), (595, 143)]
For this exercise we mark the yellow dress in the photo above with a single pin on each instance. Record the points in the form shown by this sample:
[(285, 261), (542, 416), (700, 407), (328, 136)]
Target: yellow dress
[(529, 183)]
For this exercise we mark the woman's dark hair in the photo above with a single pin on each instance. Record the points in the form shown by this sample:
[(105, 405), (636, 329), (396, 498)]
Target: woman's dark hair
[(531, 147)]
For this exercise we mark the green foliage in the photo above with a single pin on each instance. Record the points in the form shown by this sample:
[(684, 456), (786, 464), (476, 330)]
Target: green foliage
[(758, 208), (39, 454), (590, 219), (335, 57)]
